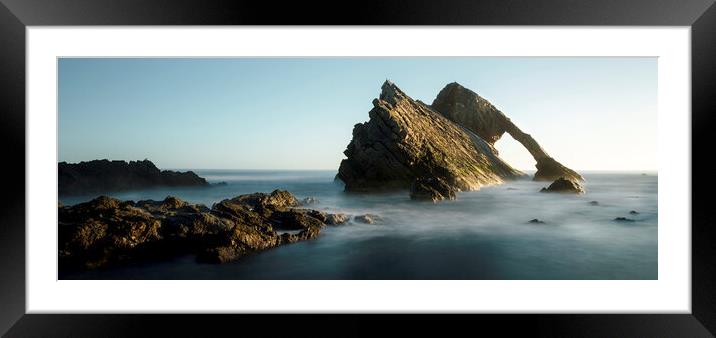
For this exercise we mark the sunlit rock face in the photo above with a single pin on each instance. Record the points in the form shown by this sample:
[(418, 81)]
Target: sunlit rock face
[(466, 108), (407, 143)]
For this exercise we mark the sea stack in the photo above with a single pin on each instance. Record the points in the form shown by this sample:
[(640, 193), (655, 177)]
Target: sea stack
[(466, 108), (408, 143)]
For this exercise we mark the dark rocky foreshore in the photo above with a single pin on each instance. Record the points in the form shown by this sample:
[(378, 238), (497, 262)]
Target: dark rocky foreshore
[(107, 231), (100, 176)]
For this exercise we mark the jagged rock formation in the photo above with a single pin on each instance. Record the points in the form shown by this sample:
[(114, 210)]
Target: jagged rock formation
[(407, 143), (107, 231), (468, 109), (564, 185), (100, 176)]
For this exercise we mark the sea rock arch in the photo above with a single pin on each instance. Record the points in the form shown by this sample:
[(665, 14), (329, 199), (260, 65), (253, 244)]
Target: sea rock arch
[(467, 109)]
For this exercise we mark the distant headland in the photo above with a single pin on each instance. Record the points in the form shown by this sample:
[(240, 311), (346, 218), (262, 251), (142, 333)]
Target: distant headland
[(100, 176)]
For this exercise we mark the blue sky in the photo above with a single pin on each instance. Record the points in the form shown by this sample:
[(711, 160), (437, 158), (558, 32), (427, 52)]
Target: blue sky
[(287, 113)]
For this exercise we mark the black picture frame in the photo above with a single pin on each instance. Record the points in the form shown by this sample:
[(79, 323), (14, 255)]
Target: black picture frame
[(15, 15)]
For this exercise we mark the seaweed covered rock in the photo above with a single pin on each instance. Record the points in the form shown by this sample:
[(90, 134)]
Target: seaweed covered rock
[(107, 231), (276, 199)]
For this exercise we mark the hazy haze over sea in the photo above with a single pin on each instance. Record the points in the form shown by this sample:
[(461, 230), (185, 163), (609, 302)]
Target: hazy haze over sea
[(483, 234)]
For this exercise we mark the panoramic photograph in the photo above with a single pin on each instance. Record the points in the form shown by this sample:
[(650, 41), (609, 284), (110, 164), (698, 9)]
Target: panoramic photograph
[(358, 168)]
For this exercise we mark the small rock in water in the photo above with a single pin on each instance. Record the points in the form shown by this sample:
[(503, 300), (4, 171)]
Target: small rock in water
[(329, 219), (335, 219), (536, 221), (309, 200), (634, 212), (593, 203), (623, 219), (367, 218), (511, 188), (564, 185)]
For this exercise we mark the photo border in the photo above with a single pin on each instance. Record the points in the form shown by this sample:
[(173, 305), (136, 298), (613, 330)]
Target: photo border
[(15, 15)]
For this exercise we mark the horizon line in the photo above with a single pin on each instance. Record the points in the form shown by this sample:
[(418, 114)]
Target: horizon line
[(336, 169)]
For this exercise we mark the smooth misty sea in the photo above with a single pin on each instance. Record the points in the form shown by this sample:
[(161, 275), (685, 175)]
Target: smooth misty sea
[(483, 234)]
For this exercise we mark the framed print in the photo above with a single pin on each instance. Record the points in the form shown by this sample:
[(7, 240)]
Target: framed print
[(188, 167)]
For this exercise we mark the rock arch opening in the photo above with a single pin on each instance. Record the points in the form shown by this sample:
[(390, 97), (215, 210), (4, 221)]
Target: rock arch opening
[(514, 153)]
